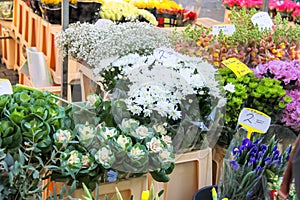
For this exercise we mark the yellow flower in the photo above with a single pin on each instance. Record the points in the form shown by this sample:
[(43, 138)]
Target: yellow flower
[(145, 195), (214, 193)]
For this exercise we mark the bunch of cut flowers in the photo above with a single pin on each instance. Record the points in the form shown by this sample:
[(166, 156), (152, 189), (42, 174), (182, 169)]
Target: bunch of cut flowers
[(188, 99), (252, 167)]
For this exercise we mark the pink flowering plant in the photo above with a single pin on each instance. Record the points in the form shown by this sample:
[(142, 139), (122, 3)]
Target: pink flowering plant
[(288, 72), (291, 114)]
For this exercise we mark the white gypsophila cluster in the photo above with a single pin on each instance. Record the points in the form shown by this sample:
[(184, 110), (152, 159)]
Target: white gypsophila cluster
[(80, 40), (90, 43)]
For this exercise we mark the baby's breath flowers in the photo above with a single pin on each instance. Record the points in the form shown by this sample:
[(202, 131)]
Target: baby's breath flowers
[(92, 44)]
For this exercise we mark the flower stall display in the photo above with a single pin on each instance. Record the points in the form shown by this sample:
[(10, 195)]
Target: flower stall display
[(119, 11), (248, 43), (253, 167)]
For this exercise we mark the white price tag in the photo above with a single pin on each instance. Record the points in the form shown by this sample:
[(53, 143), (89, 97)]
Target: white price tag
[(227, 29), (254, 121), (164, 54), (263, 20), (5, 87)]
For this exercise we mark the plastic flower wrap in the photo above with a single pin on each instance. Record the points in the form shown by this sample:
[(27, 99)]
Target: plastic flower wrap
[(252, 167), (138, 83)]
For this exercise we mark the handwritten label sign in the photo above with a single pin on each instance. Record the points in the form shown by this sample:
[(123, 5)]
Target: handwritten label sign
[(5, 87), (227, 29), (263, 20), (238, 68), (254, 121), (163, 54)]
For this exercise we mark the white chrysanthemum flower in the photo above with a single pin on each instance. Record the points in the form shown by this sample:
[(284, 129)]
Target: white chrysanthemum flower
[(230, 87)]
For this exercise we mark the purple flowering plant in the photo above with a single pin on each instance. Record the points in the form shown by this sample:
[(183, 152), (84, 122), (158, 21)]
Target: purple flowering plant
[(288, 72), (253, 168)]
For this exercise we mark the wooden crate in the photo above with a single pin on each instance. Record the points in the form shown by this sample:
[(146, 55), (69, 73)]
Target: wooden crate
[(133, 186), (19, 8), (218, 154), (33, 29), (193, 170), (207, 22), (25, 33), (8, 48)]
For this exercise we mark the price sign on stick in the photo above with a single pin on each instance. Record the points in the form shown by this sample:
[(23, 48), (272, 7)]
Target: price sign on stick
[(164, 54), (254, 121), (238, 68), (227, 29), (263, 20), (5, 87)]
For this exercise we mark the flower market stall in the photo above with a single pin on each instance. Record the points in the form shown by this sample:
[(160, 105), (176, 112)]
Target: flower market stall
[(157, 107)]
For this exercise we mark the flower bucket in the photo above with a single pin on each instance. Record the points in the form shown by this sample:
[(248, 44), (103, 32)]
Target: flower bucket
[(52, 15), (34, 5), (88, 11), (204, 193)]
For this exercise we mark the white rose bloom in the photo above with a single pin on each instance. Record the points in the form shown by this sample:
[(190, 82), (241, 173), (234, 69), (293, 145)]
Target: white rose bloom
[(154, 145), (123, 141), (63, 136), (167, 139), (142, 132), (92, 99), (108, 132), (229, 87), (74, 158), (165, 155), (85, 161), (136, 152), (86, 132), (104, 156), (159, 128)]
